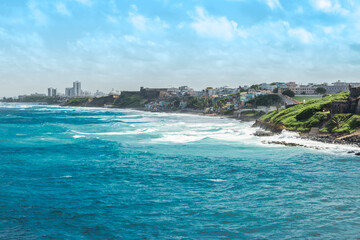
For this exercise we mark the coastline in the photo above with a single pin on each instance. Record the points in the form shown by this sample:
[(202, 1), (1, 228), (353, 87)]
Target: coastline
[(352, 139), (340, 139)]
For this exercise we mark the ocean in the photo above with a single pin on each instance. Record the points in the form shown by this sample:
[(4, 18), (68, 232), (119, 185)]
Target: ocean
[(89, 173)]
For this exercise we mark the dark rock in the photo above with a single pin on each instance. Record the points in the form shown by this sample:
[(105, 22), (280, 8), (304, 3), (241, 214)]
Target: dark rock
[(261, 133)]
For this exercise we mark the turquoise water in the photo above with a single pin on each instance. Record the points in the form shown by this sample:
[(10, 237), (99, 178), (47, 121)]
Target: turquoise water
[(79, 173)]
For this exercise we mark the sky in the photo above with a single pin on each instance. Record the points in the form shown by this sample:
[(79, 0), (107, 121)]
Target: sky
[(125, 44)]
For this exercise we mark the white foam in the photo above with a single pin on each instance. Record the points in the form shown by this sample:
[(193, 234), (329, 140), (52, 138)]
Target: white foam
[(216, 180), (293, 137), (78, 136), (140, 131)]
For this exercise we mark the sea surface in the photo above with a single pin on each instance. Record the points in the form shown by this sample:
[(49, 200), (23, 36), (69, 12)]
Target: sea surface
[(82, 173)]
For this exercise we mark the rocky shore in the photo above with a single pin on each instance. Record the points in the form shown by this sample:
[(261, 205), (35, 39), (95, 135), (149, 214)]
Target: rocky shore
[(334, 138), (269, 129)]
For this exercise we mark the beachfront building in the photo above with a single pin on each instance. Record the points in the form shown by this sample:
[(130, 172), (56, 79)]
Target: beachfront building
[(305, 90), (77, 88), (69, 92), (339, 86), (267, 86), (52, 92), (291, 86), (75, 91)]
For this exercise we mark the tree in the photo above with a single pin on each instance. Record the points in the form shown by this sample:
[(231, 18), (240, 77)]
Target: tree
[(255, 86), (289, 93), (276, 90), (338, 120), (267, 100), (320, 90)]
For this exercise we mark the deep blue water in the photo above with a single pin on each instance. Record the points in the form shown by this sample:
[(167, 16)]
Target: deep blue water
[(68, 173)]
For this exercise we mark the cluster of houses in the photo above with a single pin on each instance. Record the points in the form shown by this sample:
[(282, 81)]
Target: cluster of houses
[(237, 98)]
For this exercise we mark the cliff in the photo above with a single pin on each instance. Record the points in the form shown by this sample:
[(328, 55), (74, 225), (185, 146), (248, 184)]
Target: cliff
[(313, 114), (125, 100)]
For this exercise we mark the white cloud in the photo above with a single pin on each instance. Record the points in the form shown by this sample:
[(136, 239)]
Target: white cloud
[(85, 2), (273, 4), (329, 6), (300, 10), (330, 30), (138, 21), (180, 25), (62, 9), (112, 19), (131, 39), (217, 27), (36, 13), (301, 34), (143, 23)]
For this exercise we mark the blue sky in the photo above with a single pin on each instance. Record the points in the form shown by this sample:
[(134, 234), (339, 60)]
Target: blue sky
[(125, 44)]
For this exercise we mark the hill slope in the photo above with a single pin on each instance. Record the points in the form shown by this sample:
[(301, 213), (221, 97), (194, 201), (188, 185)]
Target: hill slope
[(314, 113)]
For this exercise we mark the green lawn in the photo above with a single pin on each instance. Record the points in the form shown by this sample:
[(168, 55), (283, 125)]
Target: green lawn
[(306, 98), (314, 113)]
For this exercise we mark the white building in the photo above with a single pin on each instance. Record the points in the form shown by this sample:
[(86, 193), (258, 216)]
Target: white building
[(339, 86), (267, 86), (69, 92), (308, 90), (77, 89), (52, 92)]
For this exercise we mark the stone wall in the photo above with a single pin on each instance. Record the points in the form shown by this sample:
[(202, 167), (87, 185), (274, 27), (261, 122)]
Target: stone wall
[(339, 107), (354, 92)]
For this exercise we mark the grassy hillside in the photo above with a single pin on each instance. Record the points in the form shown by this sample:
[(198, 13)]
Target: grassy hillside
[(306, 98), (266, 100), (77, 101), (130, 100), (342, 123), (313, 113)]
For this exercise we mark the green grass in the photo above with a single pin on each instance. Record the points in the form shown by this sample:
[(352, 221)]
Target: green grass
[(342, 123), (251, 113), (303, 117), (77, 101), (130, 100), (306, 98)]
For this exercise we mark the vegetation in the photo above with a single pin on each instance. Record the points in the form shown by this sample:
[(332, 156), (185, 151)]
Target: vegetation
[(303, 117), (320, 90), (130, 100), (252, 114), (36, 99), (201, 103), (342, 123), (289, 93), (306, 98), (255, 86), (77, 101), (266, 100)]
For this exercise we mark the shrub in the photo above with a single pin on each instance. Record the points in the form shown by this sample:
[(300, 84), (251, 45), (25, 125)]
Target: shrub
[(289, 93), (304, 116)]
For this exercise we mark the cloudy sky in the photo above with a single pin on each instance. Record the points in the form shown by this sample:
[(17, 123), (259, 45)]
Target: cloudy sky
[(125, 44)]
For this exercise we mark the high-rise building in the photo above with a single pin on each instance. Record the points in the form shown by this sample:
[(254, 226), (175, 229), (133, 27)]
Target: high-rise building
[(52, 92), (77, 88), (69, 92)]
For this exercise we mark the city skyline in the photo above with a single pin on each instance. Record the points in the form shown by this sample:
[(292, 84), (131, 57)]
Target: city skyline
[(125, 45)]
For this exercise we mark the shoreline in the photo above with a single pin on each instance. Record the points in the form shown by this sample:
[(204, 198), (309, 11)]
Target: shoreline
[(350, 139), (339, 139)]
